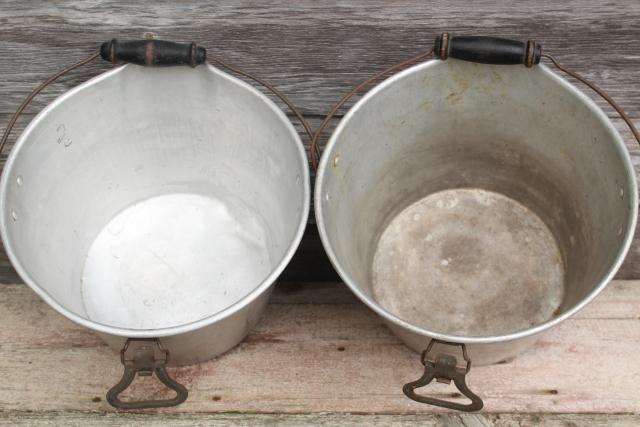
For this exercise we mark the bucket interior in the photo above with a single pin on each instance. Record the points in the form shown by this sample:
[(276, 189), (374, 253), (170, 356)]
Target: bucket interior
[(154, 197), (476, 200)]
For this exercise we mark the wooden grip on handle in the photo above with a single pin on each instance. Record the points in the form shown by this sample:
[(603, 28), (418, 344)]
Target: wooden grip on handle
[(488, 50), (153, 52)]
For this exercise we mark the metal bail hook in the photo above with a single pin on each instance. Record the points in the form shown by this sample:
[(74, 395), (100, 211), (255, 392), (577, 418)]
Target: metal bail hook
[(145, 356), (444, 369)]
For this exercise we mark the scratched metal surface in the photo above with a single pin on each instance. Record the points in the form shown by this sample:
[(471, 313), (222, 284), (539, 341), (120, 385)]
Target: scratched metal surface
[(314, 52)]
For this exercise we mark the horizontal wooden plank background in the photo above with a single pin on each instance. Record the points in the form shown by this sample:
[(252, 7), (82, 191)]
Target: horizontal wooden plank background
[(83, 419), (317, 349), (314, 52)]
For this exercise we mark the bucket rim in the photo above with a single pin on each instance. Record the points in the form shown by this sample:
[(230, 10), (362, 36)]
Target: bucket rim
[(252, 296), (488, 339)]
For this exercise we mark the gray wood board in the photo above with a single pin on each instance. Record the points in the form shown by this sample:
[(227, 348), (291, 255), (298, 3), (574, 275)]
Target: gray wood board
[(317, 350), (82, 419), (315, 52)]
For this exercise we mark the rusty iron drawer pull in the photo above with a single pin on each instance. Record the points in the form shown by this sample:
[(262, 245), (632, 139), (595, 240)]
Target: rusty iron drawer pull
[(444, 369), (145, 356)]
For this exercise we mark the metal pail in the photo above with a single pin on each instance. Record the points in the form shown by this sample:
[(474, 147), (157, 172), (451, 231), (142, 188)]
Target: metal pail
[(157, 204), (475, 206)]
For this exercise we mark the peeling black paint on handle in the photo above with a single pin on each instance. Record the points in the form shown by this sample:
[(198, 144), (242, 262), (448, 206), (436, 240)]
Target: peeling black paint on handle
[(488, 50), (153, 52)]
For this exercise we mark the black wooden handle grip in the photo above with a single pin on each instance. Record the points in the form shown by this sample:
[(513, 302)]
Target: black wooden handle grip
[(153, 52), (488, 50)]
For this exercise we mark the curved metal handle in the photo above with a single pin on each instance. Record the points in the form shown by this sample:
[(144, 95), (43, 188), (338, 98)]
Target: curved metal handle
[(37, 90), (145, 356), (600, 93), (314, 149), (127, 379), (273, 90), (444, 369)]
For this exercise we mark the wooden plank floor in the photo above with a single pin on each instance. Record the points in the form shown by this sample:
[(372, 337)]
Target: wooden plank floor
[(319, 357), (318, 350)]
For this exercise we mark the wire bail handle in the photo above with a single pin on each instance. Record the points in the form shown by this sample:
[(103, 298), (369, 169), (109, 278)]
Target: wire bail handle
[(485, 50), (480, 49), (152, 53), (146, 356)]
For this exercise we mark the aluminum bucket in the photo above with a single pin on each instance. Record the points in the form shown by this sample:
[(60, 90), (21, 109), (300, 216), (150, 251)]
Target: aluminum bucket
[(157, 203), (474, 206)]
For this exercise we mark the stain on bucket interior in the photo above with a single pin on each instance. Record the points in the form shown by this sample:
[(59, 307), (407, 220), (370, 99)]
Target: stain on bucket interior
[(486, 258), (477, 202)]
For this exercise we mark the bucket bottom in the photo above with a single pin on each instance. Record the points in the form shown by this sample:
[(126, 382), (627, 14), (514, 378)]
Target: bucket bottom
[(468, 262), (173, 259)]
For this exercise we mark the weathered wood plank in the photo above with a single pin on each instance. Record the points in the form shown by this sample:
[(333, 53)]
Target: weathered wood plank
[(620, 301), (292, 362), (349, 41), (315, 52), (314, 356), (82, 419)]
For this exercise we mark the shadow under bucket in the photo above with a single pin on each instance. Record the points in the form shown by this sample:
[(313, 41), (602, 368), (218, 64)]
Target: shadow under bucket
[(474, 206)]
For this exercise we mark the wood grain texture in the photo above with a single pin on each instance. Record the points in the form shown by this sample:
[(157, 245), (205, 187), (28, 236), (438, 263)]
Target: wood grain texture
[(82, 419), (315, 52), (325, 352), (56, 373)]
